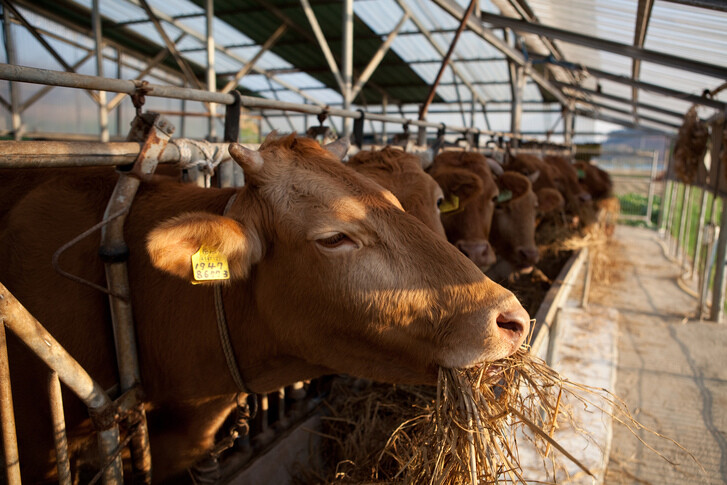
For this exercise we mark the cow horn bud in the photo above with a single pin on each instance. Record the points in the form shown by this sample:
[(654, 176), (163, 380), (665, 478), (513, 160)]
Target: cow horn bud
[(250, 160), (496, 168), (339, 147)]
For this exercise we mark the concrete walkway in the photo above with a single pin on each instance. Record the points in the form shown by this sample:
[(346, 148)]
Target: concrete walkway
[(672, 370)]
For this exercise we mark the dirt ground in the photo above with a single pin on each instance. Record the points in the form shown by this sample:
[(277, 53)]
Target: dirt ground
[(672, 370)]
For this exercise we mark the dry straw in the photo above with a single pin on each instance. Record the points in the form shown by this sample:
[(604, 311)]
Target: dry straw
[(466, 432)]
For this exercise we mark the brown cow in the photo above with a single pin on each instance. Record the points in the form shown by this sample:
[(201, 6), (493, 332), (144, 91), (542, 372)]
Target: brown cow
[(402, 174), (513, 224), (327, 274), (594, 180), (469, 190), (566, 179)]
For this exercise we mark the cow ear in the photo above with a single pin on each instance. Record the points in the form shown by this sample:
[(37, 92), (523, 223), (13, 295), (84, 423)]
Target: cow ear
[(549, 200), (172, 244), (462, 183), (339, 148)]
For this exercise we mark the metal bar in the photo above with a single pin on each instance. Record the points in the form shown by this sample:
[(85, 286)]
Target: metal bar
[(700, 230), (10, 439), (718, 288), (670, 218), (682, 222), (119, 75), (643, 14), (488, 35), (247, 67), (662, 211), (15, 111), (619, 99), (211, 77), (42, 343), (59, 428), (623, 111), (378, 57), (440, 50), (323, 44), (517, 102), (690, 98), (58, 78), (711, 4), (445, 61), (183, 66), (103, 113), (42, 92), (568, 122), (606, 45), (346, 61), (688, 225), (650, 194), (151, 64)]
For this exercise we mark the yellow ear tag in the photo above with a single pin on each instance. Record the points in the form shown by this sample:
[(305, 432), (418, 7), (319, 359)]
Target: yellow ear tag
[(209, 265), (449, 204)]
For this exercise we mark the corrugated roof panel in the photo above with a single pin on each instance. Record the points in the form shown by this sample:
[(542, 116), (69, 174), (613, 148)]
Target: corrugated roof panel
[(690, 32), (175, 7), (605, 19), (471, 46), (431, 16), (116, 11), (614, 88), (225, 34), (148, 30), (301, 79), (677, 79), (414, 48), (380, 15)]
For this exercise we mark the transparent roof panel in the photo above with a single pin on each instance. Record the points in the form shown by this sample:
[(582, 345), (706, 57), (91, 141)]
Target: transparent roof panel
[(381, 15)]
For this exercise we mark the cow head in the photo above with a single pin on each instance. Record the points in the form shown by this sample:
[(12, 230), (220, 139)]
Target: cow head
[(594, 180), (513, 224), (343, 280), (402, 174), (469, 193)]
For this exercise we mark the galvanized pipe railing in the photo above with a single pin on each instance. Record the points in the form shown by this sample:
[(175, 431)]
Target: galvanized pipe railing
[(72, 80), (15, 317)]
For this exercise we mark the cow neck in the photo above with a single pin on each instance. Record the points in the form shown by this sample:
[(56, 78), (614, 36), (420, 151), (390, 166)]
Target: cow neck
[(223, 329)]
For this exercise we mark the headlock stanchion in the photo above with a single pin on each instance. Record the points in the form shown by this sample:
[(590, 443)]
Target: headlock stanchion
[(155, 131), (102, 410)]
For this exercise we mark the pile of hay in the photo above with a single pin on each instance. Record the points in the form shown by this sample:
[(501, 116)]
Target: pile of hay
[(464, 431), (690, 146)]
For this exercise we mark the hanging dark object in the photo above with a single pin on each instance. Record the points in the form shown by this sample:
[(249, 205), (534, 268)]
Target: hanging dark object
[(690, 146)]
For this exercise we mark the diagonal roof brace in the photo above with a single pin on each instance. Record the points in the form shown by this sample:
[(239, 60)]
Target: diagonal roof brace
[(476, 26)]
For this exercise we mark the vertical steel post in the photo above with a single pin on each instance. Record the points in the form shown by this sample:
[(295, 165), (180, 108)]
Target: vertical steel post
[(718, 290), (225, 172), (567, 125), (10, 439), (103, 111), (119, 75), (16, 120), (650, 196), (211, 78), (700, 230), (183, 120), (384, 106), (59, 428), (663, 194), (517, 103), (672, 210), (347, 61), (682, 222), (688, 225)]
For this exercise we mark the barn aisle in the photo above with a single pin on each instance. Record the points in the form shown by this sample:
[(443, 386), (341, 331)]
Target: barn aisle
[(672, 369)]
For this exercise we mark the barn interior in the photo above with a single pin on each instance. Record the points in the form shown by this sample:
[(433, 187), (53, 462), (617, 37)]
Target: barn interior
[(609, 83)]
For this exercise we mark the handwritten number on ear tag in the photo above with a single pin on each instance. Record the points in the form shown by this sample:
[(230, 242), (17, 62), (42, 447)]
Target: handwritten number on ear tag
[(209, 265), (450, 204), (504, 196)]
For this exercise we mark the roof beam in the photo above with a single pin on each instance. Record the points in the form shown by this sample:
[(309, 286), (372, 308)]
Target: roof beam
[(627, 112), (605, 45), (251, 63), (617, 121), (711, 4), (322, 43), (619, 99), (476, 26), (162, 16), (643, 14)]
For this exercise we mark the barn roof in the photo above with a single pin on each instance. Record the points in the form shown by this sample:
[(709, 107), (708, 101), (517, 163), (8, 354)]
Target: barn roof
[(634, 64)]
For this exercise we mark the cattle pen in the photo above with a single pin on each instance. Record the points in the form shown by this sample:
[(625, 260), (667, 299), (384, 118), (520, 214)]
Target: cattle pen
[(510, 80)]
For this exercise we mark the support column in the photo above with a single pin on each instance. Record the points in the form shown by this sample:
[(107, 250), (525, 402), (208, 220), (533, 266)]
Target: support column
[(103, 111), (384, 105), (211, 78), (16, 121), (518, 85), (347, 61), (719, 288), (568, 118)]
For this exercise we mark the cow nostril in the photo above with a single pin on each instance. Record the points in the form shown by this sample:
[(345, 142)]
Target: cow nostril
[(510, 325), (514, 325)]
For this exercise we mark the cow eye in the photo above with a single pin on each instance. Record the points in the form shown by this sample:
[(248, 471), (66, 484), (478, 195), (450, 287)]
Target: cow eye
[(440, 201), (338, 240)]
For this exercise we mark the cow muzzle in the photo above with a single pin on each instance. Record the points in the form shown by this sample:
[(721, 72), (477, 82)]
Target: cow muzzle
[(478, 251)]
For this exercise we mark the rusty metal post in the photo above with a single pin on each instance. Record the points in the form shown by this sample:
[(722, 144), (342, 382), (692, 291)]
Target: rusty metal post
[(41, 342), (10, 439), (59, 428), (114, 252), (650, 196), (103, 111), (16, 120)]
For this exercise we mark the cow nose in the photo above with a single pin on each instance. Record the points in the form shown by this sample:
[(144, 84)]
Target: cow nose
[(514, 326), (528, 255), (479, 251)]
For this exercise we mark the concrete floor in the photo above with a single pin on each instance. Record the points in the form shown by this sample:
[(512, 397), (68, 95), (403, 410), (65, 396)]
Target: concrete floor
[(672, 369)]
